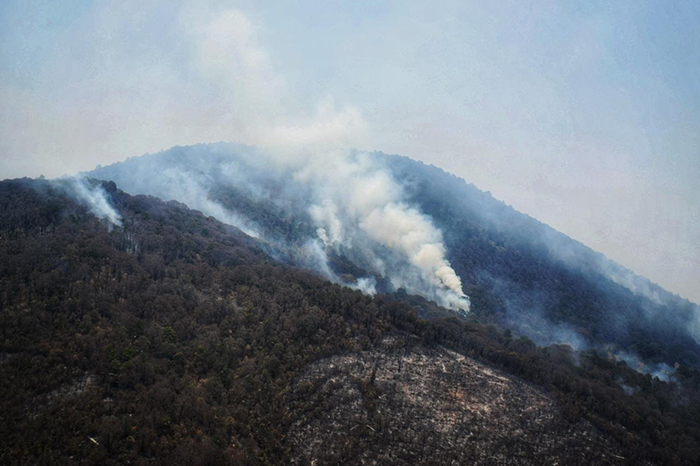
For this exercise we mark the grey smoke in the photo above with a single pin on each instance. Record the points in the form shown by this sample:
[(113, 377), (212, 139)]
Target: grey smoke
[(367, 285), (525, 314), (349, 200), (655, 302), (313, 255), (352, 193), (357, 199), (94, 197), (662, 371), (629, 390), (352, 200)]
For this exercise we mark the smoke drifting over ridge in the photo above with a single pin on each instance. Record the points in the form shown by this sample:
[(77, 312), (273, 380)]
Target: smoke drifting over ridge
[(348, 203), (351, 192), (352, 201)]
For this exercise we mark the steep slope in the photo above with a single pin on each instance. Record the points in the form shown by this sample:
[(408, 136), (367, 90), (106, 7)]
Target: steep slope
[(546, 285), (173, 338), (414, 405), (517, 271)]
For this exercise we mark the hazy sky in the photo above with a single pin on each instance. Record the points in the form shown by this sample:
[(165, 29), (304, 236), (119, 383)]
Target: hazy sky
[(585, 115)]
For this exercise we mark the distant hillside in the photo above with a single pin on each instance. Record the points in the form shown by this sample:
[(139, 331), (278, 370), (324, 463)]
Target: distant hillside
[(546, 285), (172, 338), (517, 271)]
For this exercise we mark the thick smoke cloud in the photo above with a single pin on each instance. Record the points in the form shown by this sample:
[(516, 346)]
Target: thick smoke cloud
[(353, 201), (358, 199), (355, 197), (348, 204), (352, 191)]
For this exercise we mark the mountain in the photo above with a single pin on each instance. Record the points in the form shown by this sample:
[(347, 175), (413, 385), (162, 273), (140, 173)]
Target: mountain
[(518, 272), (136, 330), (546, 285), (371, 310)]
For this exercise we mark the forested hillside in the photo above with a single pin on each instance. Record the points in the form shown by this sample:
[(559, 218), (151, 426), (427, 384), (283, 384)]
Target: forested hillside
[(543, 284), (173, 338), (518, 272)]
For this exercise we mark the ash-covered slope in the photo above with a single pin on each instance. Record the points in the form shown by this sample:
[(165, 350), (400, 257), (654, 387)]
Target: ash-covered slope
[(173, 338), (409, 404), (517, 271)]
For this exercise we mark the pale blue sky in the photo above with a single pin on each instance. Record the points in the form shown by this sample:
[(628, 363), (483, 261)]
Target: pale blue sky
[(584, 115)]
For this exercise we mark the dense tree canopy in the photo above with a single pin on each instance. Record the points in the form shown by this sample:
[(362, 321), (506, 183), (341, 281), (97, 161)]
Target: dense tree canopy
[(176, 339)]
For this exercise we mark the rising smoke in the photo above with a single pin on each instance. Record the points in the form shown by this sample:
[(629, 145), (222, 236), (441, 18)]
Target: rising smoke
[(357, 200), (351, 199), (660, 370), (94, 197)]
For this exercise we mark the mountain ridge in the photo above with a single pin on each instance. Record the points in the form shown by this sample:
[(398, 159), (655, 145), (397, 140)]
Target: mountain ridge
[(521, 272)]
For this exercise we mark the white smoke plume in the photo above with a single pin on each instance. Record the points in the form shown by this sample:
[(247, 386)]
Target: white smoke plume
[(191, 189), (95, 198), (313, 255), (358, 199), (353, 201), (368, 285), (355, 198), (662, 371)]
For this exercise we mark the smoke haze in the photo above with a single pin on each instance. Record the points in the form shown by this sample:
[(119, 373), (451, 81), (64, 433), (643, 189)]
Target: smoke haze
[(581, 117), (352, 200)]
